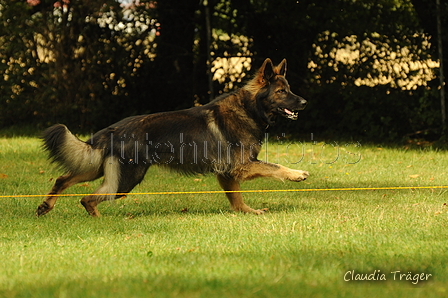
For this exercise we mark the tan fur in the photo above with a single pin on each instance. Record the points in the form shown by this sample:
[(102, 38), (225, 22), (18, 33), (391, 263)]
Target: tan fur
[(211, 122), (258, 81), (254, 85), (109, 186), (79, 156)]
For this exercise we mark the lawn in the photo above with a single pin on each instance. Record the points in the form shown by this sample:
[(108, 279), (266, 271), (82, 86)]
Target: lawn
[(310, 244)]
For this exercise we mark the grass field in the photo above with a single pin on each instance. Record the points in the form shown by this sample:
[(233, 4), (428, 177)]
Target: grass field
[(309, 244)]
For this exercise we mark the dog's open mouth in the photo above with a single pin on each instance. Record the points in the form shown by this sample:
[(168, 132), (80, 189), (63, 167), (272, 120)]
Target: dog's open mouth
[(293, 115)]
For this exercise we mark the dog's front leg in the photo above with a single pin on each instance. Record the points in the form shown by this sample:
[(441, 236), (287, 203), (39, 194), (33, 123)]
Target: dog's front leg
[(231, 186), (291, 175), (258, 168)]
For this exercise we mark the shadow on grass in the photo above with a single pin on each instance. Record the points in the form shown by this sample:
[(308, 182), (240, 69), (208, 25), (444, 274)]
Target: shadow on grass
[(306, 273)]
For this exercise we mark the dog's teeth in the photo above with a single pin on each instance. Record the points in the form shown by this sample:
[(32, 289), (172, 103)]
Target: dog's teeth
[(293, 116)]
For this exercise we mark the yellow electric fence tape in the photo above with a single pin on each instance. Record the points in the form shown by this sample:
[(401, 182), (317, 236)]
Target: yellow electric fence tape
[(240, 191)]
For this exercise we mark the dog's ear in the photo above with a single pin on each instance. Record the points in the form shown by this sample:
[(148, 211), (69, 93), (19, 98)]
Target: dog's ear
[(281, 68), (267, 70)]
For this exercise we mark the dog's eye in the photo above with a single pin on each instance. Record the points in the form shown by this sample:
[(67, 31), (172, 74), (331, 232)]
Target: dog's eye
[(281, 91)]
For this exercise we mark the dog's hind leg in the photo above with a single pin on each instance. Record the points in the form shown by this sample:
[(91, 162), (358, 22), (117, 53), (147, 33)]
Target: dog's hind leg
[(119, 179), (231, 186), (63, 182), (107, 190)]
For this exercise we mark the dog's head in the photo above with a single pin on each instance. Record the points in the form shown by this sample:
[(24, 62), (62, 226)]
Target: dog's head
[(274, 96)]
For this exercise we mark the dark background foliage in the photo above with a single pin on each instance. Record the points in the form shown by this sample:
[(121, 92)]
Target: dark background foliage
[(90, 63)]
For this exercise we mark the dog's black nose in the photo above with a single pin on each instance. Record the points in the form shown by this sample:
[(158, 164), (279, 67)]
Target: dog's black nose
[(302, 102)]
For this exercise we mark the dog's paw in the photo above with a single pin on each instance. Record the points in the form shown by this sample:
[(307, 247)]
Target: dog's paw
[(43, 209), (298, 175), (246, 209), (259, 211)]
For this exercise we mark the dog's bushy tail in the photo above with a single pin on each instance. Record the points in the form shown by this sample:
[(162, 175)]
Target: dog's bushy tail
[(69, 152)]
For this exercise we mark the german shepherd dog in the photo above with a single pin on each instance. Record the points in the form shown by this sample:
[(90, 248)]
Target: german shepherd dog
[(222, 137)]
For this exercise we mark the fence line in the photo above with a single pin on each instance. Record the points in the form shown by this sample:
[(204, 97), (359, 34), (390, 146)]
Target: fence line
[(240, 191)]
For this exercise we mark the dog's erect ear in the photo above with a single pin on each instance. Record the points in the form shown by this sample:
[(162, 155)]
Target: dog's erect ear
[(281, 68), (267, 70)]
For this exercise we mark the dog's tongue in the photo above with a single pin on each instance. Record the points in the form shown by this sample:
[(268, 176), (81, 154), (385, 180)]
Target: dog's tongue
[(291, 115)]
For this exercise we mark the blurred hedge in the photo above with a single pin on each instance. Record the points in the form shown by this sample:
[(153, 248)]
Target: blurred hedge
[(90, 63)]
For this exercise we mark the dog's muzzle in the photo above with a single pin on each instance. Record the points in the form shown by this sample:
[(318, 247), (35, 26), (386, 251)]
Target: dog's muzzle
[(302, 103)]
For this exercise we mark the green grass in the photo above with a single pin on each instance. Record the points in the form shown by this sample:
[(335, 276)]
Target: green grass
[(191, 245)]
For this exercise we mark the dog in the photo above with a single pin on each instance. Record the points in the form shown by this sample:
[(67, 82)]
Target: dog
[(222, 137)]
